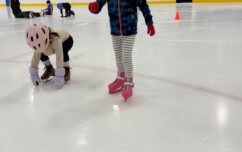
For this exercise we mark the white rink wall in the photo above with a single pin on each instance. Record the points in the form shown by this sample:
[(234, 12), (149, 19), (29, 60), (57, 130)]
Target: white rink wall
[(74, 1), (43, 1)]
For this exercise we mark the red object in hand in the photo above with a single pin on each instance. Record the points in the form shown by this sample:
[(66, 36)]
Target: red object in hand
[(151, 30), (93, 7)]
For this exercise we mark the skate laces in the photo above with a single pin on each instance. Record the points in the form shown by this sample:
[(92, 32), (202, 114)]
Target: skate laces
[(46, 68), (120, 78), (127, 85)]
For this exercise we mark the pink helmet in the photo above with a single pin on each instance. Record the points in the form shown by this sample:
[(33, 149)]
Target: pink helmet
[(37, 37)]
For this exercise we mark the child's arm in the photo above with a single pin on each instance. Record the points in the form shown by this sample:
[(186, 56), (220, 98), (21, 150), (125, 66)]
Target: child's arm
[(59, 71), (35, 59), (61, 12), (144, 8), (33, 69), (96, 7)]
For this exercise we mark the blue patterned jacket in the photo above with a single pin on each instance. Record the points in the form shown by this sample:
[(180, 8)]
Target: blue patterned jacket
[(123, 21)]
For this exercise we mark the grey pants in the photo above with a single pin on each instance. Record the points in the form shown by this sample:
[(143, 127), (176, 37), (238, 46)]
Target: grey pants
[(123, 48)]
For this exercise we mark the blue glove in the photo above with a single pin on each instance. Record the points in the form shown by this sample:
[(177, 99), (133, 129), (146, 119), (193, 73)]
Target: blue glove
[(34, 76), (59, 78)]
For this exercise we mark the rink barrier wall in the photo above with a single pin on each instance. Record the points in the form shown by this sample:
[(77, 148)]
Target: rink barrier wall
[(87, 3), (151, 2), (216, 1)]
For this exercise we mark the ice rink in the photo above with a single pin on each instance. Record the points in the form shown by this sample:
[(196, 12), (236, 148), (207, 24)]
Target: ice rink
[(187, 95)]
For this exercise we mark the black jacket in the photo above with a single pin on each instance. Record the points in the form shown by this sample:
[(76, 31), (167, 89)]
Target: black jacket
[(66, 6)]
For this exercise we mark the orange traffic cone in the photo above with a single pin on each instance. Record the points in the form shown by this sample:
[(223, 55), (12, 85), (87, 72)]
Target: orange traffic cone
[(177, 17)]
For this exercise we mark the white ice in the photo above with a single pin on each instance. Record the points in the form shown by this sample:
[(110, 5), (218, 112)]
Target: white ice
[(187, 94)]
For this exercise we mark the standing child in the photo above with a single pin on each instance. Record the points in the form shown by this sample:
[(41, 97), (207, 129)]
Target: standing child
[(67, 8), (18, 13), (123, 22), (46, 41)]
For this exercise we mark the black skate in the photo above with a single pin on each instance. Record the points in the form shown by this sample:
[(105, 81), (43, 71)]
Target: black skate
[(49, 71)]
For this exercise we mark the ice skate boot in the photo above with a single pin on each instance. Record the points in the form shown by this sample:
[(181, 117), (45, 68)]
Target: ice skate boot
[(67, 73), (42, 13), (127, 91), (72, 13), (68, 15), (31, 15), (49, 71), (117, 85)]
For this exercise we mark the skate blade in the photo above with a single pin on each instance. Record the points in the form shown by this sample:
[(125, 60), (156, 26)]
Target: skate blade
[(126, 99), (115, 91)]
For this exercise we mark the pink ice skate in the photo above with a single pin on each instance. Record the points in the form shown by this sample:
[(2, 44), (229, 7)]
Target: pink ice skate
[(117, 85), (127, 91)]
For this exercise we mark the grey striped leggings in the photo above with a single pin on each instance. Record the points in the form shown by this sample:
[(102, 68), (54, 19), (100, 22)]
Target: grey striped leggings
[(123, 47)]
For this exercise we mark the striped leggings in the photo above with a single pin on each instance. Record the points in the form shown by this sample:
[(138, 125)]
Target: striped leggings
[(123, 47)]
